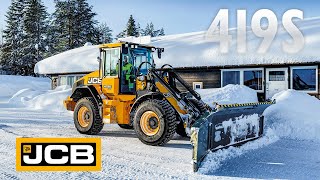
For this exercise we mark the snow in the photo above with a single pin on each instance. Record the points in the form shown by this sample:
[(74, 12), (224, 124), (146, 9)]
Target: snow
[(288, 152), (83, 59), (193, 49), (229, 94), (12, 84), (295, 115)]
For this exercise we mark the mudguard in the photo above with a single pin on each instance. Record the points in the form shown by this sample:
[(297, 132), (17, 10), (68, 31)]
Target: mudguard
[(229, 125)]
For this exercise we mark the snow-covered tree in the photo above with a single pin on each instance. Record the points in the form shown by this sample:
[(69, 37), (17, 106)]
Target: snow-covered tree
[(73, 24), (11, 59), (161, 32), (35, 29), (150, 31), (122, 34), (104, 34), (84, 23)]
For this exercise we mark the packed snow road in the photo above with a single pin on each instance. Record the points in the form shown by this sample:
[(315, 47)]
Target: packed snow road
[(289, 148), (124, 156)]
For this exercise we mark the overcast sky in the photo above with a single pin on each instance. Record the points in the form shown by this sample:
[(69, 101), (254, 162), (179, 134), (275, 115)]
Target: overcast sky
[(178, 16)]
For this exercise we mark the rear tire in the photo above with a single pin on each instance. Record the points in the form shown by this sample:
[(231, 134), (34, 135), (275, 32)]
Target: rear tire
[(86, 116), (126, 126), (155, 122)]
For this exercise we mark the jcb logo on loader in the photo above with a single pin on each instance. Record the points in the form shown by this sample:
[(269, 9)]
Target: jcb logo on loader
[(94, 80), (58, 154)]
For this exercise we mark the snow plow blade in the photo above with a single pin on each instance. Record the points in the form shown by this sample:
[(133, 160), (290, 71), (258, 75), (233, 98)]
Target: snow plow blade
[(229, 125)]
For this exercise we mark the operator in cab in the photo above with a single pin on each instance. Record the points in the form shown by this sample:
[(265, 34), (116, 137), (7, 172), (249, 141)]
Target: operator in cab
[(127, 72)]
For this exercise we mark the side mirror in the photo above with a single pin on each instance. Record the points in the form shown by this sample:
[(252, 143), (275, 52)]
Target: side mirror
[(125, 49), (160, 50)]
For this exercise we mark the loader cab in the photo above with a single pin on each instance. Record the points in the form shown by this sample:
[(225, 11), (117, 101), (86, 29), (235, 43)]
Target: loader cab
[(119, 66)]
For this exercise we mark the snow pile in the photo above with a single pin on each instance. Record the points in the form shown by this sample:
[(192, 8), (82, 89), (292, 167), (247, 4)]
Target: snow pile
[(229, 94), (215, 159), (295, 115), (10, 85), (51, 100), (32, 93), (48, 100)]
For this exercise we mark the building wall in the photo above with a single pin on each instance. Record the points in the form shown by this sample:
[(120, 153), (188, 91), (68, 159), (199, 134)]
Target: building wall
[(209, 78)]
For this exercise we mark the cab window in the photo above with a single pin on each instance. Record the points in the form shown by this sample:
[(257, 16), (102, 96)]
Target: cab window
[(111, 61)]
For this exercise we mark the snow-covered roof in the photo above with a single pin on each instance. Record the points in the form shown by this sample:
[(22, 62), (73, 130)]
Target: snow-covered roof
[(192, 49), (83, 59)]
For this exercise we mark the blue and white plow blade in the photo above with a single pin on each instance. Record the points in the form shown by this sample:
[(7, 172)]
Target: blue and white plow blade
[(227, 125)]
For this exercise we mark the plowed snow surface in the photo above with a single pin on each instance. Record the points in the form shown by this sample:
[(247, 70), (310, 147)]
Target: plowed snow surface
[(125, 157)]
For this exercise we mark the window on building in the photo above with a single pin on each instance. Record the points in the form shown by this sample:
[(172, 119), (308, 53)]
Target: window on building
[(63, 80), (304, 78), (277, 76), (230, 77), (68, 79), (78, 77), (197, 85), (253, 79)]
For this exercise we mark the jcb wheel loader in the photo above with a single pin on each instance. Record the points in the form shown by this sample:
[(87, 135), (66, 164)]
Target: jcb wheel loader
[(128, 90)]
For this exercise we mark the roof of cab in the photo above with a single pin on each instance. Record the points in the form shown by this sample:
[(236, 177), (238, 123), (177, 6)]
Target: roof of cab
[(119, 44)]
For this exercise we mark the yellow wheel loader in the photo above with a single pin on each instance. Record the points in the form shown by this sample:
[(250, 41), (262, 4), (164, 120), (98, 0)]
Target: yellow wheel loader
[(128, 90)]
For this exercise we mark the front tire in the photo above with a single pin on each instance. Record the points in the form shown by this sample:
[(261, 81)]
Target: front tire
[(86, 116), (155, 122)]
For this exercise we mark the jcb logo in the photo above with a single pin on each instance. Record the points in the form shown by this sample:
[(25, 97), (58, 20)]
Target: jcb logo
[(58, 154), (94, 80)]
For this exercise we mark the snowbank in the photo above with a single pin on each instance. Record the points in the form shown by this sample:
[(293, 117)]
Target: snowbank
[(51, 100), (10, 85), (295, 115), (229, 94), (34, 99)]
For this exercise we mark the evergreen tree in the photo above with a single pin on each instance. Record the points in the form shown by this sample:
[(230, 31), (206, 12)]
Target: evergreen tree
[(139, 30), (150, 31), (161, 32), (73, 24), (35, 29), (11, 51), (121, 34), (131, 29), (85, 24), (104, 34)]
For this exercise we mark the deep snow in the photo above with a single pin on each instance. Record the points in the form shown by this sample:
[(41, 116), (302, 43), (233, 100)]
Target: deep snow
[(287, 150)]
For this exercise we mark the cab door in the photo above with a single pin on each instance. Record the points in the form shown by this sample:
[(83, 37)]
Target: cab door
[(110, 71)]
